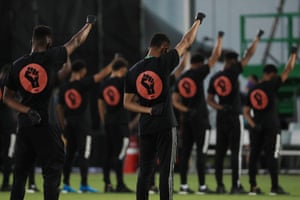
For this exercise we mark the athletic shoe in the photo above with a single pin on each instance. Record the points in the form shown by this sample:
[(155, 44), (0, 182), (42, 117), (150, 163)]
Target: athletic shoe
[(109, 188), (87, 188), (32, 189), (238, 190), (278, 190), (221, 189), (5, 188), (123, 189), (186, 190), (153, 190), (206, 190), (68, 189), (255, 191)]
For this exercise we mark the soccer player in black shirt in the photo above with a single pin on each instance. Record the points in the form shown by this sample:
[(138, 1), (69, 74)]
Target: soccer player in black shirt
[(72, 110), (265, 124), (188, 97), (114, 119), (224, 84), (33, 76), (149, 81)]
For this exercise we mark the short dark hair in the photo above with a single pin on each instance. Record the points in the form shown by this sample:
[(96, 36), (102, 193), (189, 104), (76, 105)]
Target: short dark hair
[(197, 58), (40, 32), (119, 63), (231, 55), (77, 65), (254, 76), (269, 68), (158, 39)]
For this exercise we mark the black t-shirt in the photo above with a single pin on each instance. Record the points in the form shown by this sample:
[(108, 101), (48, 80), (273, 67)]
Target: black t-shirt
[(191, 89), (111, 92), (225, 85), (149, 80), (262, 98), (74, 97), (33, 77)]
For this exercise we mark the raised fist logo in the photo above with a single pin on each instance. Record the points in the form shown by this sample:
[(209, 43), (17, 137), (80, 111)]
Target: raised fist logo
[(186, 86), (72, 98), (223, 86), (148, 83), (110, 95), (33, 78), (259, 99), (32, 75)]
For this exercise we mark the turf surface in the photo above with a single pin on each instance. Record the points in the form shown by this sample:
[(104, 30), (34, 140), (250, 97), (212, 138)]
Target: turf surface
[(291, 183)]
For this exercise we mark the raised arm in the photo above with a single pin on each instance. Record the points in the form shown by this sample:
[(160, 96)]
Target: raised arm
[(80, 36), (290, 64), (65, 70), (184, 62), (105, 71), (251, 49), (217, 51), (189, 37)]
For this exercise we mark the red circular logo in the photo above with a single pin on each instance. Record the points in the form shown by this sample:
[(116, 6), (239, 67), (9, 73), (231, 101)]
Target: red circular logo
[(259, 99), (73, 99), (223, 86), (33, 78), (111, 95), (187, 87), (149, 85), (0, 94)]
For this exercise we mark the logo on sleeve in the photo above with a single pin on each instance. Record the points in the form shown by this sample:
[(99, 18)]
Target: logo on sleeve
[(187, 87), (73, 99), (149, 85), (33, 78), (259, 99), (223, 86), (111, 95)]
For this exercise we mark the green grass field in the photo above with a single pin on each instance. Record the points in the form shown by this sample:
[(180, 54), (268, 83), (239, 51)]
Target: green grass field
[(290, 183)]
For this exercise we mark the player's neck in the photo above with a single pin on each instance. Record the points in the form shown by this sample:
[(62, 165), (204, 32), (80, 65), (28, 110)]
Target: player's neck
[(152, 53), (36, 48), (75, 77), (266, 78), (116, 74), (194, 66)]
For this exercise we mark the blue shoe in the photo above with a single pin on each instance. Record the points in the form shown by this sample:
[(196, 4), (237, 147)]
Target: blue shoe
[(68, 189), (87, 188)]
